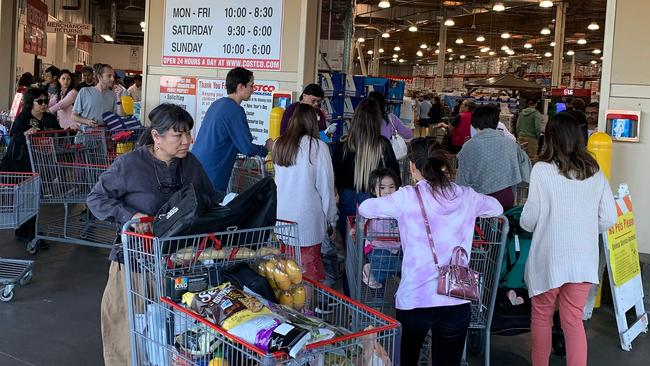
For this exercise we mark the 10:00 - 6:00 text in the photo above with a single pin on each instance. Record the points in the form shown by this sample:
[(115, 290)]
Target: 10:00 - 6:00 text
[(238, 49)]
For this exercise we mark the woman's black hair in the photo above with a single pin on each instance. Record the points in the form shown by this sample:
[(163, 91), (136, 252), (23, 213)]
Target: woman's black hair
[(313, 89), (164, 117), (381, 100), (434, 165), (72, 83), (485, 117), (380, 173), (26, 79), (29, 97)]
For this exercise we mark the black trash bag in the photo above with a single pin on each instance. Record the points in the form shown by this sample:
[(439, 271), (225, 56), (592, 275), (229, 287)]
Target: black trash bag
[(241, 274)]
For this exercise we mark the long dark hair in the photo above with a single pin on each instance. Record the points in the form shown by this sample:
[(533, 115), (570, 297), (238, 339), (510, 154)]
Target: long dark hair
[(381, 100), (164, 117), (304, 122), (364, 139), (30, 97), (434, 165), (565, 147), (72, 84), (26, 80)]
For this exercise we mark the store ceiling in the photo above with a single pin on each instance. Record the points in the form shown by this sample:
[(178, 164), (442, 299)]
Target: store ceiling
[(523, 19), (128, 15)]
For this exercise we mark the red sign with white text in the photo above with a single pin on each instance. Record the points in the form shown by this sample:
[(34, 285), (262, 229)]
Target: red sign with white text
[(35, 40)]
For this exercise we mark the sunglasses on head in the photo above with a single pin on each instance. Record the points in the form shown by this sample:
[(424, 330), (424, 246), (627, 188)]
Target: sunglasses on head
[(41, 101)]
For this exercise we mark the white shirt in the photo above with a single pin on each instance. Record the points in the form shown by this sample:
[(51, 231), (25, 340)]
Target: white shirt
[(565, 217), (306, 191), (135, 93)]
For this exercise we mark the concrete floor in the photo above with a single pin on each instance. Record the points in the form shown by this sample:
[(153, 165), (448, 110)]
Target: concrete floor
[(55, 319)]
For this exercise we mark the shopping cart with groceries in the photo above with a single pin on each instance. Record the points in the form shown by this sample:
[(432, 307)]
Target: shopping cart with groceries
[(120, 142), (237, 298), (247, 171), (19, 203), (69, 165)]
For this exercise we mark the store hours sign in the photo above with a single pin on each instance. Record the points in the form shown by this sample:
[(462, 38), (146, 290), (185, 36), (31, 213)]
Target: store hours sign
[(223, 34)]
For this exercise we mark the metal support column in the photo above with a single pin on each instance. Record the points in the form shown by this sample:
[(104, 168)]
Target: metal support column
[(348, 34), (8, 40), (440, 75), (374, 71), (558, 52)]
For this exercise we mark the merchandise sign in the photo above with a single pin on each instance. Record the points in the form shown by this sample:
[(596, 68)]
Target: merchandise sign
[(70, 28), (624, 254), (223, 34), (258, 107), (180, 91), (35, 41)]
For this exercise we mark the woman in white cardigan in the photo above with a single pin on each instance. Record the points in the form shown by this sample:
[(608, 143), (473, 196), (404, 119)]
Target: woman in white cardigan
[(305, 180), (569, 203)]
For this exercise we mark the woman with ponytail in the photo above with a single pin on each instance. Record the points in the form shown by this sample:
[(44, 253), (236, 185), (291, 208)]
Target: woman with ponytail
[(451, 212)]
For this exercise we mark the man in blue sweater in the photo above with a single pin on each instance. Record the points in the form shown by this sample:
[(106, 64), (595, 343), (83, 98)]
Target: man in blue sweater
[(224, 131)]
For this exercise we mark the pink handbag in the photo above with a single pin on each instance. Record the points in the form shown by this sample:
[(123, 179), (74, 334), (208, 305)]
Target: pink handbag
[(455, 279)]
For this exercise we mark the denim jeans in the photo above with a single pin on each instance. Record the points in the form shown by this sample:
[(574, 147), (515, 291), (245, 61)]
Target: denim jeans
[(383, 264)]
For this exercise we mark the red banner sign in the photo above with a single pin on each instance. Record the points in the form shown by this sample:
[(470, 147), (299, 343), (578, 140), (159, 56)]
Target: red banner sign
[(35, 41)]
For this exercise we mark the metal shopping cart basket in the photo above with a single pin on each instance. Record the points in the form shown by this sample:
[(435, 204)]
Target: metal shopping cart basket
[(19, 201), (153, 265), (69, 166), (119, 142), (247, 171)]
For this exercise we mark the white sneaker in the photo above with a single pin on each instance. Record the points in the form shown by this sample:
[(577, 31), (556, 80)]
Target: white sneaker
[(368, 279)]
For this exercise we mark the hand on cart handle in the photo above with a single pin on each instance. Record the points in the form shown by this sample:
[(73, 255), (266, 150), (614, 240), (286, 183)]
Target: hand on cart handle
[(269, 145), (144, 224), (31, 131)]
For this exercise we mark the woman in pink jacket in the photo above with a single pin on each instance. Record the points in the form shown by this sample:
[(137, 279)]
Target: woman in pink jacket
[(64, 101), (452, 211)]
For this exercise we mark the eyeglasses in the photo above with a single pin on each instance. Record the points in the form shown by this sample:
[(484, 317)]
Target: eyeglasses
[(42, 101), (167, 188)]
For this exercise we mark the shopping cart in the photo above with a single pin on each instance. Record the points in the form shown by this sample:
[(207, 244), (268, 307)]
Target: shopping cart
[(521, 193), (19, 200), (69, 166), (120, 142), (153, 265), (373, 282), (247, 171)]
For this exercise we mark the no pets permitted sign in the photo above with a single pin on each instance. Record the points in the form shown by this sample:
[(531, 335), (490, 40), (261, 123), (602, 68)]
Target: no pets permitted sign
[(223, 34)]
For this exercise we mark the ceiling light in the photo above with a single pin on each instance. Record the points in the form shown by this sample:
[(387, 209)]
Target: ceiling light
[(438, 44), (601, 58), (552, 44), (460, 41), (593, 26), (545, 31), (548, 54), (423, 46), (582, 41), (107, 38), (596, 51), (505, 35), (381, 50), (480, 39), (570, 53), (437, 52), (498, 6), (419, 53), (510, 52), (485, 49), (370, 52), (384, 4), (402, 60), (451, 58), (143, 30), (477, 56), (395, 55), (385, 35), (462, 57), (397, 48), (413, 28), (505, 48), (546, 4), (361, 40), (528, 46), (491, 53), (450, 50), (593, 62), (143, 24), (450, 22)]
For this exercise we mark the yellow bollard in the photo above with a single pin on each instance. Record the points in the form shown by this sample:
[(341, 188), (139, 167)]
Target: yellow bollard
[(600, 145), (274, 122)]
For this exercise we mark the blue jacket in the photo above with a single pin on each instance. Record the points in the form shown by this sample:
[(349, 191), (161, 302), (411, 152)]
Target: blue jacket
[(224, 132)]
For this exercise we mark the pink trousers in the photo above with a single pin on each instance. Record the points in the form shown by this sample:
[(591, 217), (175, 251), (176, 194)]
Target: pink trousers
[(572, 298)]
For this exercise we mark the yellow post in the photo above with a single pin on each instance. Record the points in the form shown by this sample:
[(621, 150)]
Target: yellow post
[(274, 122), (127, 104), (600, 145)]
